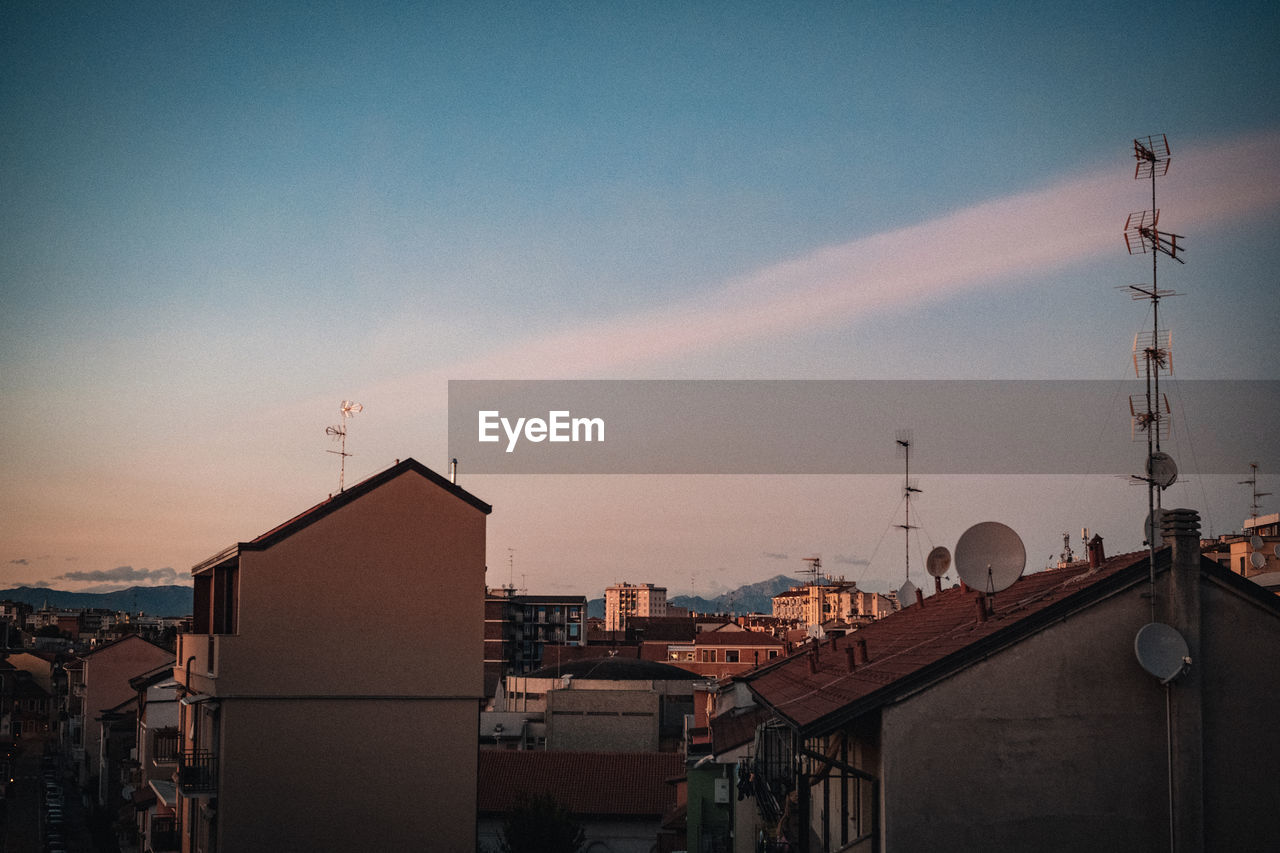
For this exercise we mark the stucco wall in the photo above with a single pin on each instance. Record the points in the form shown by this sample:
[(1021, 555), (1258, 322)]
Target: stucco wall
[(408, 554), (1240, 644), (347, 775), (1057, 743)]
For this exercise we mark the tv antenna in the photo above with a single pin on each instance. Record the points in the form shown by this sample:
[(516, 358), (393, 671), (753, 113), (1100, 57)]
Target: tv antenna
[(348, 409), (1252, 483), (909, 488), (1153, 351), (813, 569)]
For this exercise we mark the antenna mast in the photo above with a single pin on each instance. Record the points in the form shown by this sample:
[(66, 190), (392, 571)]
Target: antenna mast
[(1252, 483), (1154, 354), (339, 432), (908, 489)]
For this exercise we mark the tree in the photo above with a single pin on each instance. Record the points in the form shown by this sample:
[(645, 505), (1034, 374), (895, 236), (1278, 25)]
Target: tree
[(539, 824)]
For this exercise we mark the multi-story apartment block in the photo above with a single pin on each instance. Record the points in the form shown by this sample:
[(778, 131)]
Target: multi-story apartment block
[(834, 601), (625, 600), (517, 628), (301, 734)]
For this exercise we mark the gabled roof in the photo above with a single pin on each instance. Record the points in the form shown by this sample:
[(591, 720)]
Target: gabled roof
[(619, 784), (335, 502), (116, 642), (918, 644)]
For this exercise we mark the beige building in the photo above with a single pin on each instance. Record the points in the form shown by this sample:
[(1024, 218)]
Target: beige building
[(835, 601), (301, 732), (626, 600)]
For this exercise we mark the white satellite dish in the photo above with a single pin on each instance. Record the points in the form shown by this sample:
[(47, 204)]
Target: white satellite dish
[(1162, 651), (907, 594), (990, 556), (1255, 542), (1152, 528), (1276, 550), (1161, 469), (938, 561), (1257, 559)]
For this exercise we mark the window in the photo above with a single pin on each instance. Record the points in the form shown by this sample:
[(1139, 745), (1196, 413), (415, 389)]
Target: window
[(731, 655)]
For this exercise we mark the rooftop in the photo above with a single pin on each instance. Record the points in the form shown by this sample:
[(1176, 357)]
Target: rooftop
[(921, 642), (630, 784)]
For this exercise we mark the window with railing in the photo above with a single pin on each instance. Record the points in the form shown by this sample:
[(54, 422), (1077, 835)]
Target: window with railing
[(164, 834), (166, 746), (197, 772)]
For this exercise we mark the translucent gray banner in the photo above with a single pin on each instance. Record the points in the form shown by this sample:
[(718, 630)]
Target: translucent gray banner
[(851, 426)]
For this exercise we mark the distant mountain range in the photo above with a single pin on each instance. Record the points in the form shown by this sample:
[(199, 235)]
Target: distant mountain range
[(752, 598), (151, 600)]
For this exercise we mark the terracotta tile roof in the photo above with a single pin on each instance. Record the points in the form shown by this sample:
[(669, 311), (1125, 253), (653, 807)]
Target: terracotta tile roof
[(622, 784), (733, 730), (918, 643)]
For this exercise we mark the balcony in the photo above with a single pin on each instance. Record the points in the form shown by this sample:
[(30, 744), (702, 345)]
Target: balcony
[(197, 773), (163, 836)]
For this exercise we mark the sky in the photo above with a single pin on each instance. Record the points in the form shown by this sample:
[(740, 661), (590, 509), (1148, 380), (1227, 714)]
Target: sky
[(221, 220)]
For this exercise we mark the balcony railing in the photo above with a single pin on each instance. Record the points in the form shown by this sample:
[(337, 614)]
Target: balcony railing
[(163, 836), (197, 772), (165, 748)]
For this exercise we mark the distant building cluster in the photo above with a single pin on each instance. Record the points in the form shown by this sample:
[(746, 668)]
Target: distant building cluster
[(269, 725)]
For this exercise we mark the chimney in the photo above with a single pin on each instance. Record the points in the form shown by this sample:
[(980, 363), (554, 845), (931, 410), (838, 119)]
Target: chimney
[(981, 600), (1096, 553), (920, 597), (860, 651), (1181, 531), (813, 662), (849, 663)]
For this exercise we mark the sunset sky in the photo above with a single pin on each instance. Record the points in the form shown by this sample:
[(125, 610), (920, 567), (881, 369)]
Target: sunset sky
[(221, 220)]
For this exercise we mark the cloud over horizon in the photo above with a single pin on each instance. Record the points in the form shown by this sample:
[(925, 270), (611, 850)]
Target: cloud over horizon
[(123, 574)]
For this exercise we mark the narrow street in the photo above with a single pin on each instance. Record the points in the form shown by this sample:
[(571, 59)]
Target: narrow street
[(26, 825)]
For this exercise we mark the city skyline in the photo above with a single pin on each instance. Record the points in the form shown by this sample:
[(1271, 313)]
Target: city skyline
[(220, 223)]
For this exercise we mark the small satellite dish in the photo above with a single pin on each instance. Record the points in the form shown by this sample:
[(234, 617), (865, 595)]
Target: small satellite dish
[(1276, 550), (1257, 559), (1162, 651), (1161, 469), (938, 561), (990, 556), (907, 594), (1152, 527), (1255, 542)]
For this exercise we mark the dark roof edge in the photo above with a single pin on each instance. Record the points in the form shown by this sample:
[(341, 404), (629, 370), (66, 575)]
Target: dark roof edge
[(335, 502)]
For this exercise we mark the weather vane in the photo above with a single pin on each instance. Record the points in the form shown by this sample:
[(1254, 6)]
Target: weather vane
[(339, 432)]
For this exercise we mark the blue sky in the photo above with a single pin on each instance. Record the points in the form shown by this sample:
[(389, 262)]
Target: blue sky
[(221, 220)]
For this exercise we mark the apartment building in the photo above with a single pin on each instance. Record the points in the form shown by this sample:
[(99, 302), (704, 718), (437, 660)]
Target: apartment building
[(625, 600), (834, 601), (518, 627), (299, 734)]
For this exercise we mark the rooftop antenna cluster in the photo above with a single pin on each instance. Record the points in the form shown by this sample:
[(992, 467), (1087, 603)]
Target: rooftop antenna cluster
[(348, 409), (1150, 412), (813, 569)]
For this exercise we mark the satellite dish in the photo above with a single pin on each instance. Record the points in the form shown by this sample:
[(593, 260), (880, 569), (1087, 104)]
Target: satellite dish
[(1151, 529), (1255, 542), (1162, 651), (1276, 550), (938, 561), (1257, 560), (907, 594), (1161, 469), (990, 556)]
